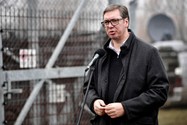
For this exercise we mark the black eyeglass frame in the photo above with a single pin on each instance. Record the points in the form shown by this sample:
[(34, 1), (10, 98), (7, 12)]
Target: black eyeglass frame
[(112, 22)]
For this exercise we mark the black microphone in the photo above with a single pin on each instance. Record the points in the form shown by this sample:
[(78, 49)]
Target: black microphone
[(99, 53)]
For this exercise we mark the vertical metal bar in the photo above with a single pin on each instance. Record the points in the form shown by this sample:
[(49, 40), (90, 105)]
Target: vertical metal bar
[(2, 117), (33, 43), (50, 63), (133, 8)]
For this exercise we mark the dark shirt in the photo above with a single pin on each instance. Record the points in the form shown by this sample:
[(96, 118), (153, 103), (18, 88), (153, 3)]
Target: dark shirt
[(114, 72)]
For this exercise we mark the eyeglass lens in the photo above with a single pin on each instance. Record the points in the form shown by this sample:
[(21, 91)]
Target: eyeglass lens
[(112, 21)]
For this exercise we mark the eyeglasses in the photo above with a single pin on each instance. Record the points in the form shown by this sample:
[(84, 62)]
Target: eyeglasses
[(114, 22)]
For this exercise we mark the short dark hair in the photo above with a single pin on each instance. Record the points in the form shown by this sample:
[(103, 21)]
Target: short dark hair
[(122, 9)]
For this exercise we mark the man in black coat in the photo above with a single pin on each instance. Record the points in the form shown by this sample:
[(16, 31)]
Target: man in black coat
[(129, 83)]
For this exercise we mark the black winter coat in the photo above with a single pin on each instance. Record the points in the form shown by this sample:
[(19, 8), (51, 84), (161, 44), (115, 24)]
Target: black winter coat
[(143, 84)]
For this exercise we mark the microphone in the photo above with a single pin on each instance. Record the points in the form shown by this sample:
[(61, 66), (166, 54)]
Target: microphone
[(99, 53)]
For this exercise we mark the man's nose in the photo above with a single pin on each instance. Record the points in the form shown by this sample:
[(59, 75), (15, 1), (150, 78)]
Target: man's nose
[(110, 24)]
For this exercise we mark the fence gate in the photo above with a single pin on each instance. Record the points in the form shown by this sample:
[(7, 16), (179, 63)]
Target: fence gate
[(31, 31)]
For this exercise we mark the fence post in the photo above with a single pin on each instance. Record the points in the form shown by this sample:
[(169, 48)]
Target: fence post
[(2, 115)]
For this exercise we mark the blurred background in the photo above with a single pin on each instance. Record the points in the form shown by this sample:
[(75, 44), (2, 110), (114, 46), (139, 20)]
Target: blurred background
[(45, 46)]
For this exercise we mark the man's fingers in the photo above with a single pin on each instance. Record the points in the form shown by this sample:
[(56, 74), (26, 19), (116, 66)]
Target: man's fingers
[(114, 110), (99, 107)]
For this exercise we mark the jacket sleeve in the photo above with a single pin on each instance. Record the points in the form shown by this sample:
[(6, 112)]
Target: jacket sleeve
[(156, 94)]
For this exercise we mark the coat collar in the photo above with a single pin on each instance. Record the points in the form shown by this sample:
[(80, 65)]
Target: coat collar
[(125, 47)]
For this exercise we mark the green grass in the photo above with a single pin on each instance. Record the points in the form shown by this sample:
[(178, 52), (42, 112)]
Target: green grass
[(176, 116)]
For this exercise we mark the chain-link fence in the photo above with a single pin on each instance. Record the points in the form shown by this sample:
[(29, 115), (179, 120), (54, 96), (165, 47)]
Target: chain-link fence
[(31, 30)]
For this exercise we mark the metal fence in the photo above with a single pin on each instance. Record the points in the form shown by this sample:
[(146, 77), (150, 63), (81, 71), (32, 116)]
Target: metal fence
[(30, 33)]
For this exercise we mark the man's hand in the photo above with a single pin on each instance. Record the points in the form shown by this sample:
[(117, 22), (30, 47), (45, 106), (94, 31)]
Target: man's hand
[(114, 110), (99, 107)]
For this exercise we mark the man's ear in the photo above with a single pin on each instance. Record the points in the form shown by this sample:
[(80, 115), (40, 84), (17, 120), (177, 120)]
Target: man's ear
[(126, 22)]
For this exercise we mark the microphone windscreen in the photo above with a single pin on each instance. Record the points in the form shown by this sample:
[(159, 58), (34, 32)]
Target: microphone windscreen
[(100, 52)]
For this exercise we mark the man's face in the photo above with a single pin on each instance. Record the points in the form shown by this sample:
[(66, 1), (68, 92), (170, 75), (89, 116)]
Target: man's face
[(115, 26)]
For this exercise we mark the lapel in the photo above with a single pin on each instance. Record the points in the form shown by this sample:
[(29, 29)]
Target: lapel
[(103, 79), (126, 64), (122, 79)]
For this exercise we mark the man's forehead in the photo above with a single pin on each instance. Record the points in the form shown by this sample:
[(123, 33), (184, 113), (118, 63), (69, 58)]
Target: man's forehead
[(112, 14)]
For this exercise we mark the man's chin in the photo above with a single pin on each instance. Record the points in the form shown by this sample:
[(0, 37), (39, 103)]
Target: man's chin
[(114, 37)]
